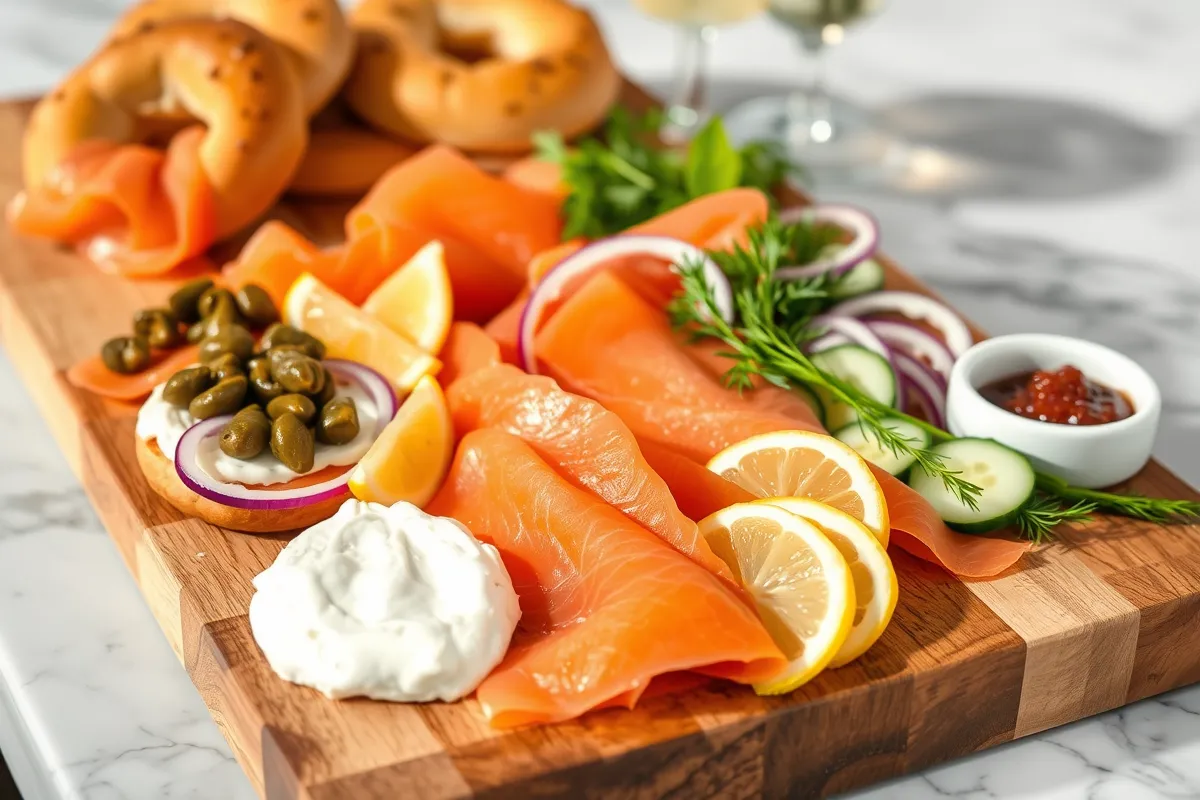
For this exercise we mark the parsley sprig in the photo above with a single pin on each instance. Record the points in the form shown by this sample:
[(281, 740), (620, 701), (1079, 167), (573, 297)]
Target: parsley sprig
[(775, 318), (623, 177)]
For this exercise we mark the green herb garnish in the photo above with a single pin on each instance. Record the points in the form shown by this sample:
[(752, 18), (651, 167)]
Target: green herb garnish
[(623, 177), (774, 318)]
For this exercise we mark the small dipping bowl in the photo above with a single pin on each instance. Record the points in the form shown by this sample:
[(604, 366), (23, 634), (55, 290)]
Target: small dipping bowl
[(1091, 456)]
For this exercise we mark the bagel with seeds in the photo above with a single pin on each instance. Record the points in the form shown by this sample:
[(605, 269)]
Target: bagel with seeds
[(222, 73), (313, 33), (480, 75)]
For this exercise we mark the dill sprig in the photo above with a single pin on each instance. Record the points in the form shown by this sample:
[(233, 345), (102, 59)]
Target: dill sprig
[(1038, 519), (1151, 509)]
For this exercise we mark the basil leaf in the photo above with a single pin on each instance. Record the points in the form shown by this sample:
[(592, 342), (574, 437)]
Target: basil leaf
[(713, 164)]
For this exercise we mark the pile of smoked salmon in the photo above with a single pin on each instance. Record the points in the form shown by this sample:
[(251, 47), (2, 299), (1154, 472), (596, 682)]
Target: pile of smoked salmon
[(589, 478)]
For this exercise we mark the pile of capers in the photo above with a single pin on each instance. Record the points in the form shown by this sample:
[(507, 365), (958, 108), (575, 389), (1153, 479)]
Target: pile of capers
[(197, 312), (282, 394)]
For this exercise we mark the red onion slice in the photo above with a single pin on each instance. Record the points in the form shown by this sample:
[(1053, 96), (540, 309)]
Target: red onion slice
[(855, 220), (591, 257), (916, 342), (857, 332), (827, 341), (238, 496), (919, 381), (914, 306)]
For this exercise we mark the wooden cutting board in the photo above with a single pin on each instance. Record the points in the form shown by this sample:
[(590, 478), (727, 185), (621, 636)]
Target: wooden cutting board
[(1108, 616)]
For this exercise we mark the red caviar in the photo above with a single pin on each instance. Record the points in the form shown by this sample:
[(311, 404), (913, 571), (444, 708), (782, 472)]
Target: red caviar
[(1065, 396)]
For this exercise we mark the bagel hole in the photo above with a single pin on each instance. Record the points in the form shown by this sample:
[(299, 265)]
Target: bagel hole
[(469, 47)]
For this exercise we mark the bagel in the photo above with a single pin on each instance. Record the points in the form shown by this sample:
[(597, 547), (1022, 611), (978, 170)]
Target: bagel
[(480, 75), (313, 33), (223, 73), (344, 158), (164, 480)]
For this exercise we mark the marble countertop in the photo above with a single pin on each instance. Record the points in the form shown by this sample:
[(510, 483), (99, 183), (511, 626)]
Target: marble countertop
[(1088, 111)]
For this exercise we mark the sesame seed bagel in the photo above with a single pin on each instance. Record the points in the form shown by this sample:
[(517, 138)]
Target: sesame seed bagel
[(313, 33), (222, 73), (480, 75)]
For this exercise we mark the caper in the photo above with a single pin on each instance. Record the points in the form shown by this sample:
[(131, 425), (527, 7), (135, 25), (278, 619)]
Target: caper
[(126, 354), (159, 326), (246, 435), (224, 398), (327, 391), (338, 422), (185, 300), (197, 331), (263, 385), (280, 334), (226, 366), (292, 443), (296, 404), (213, 300), (296, 372), (183, 386), (230, 339), (256, 306)]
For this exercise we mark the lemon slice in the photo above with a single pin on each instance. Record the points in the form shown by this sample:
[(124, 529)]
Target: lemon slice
[(416, 300), (800, 584), (351, 333), (806, 464), (875, 589), (409, 460)]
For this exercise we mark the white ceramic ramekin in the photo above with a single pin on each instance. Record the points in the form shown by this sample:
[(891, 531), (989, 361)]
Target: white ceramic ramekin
[(1091, 456)]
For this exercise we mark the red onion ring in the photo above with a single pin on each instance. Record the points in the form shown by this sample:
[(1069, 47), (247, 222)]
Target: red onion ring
[(857, 332), (859, 222), (592, 256), (238, 496), (916, 342), (919, 381), (914, 306)]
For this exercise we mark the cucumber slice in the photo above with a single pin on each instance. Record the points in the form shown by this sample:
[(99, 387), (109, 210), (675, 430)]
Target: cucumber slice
[(867, 371), (814, 402), (865, 276), (867, 445), (1006, 477)]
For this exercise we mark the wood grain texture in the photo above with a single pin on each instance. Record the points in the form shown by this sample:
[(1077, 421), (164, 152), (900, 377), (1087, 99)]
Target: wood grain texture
[(1108, 616)]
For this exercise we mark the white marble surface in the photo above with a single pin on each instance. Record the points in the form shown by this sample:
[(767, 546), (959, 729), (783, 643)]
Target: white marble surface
[(1091, 109)]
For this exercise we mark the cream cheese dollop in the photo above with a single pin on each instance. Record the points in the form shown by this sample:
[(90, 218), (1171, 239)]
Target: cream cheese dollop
[(159, 420), (385, 602)]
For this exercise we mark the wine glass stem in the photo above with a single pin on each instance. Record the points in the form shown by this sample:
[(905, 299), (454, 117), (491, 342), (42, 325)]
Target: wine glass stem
[(809, 112), (689, 100)]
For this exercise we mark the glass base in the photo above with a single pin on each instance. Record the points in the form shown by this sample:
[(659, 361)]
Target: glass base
[(835, 137)]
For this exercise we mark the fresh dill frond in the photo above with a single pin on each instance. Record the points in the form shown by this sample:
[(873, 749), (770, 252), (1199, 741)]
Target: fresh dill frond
[(1038, 519)]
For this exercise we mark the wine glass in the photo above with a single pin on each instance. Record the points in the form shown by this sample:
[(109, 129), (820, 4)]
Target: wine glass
[(816, 128), (697, 20)]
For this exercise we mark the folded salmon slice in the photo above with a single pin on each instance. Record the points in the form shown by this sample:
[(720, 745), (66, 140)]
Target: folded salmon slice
[(133, 210), (467, 349), (607, 343), (93, 376), (605, 605), (585, 442), (496, 227)]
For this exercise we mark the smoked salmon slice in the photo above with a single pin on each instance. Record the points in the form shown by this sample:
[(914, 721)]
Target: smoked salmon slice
[(588, 444), (697, 490), (468, 349), (132, 210), (275, 256), (445, 196), (91, 375), (605, 605), (714, 221), (607, 343)]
